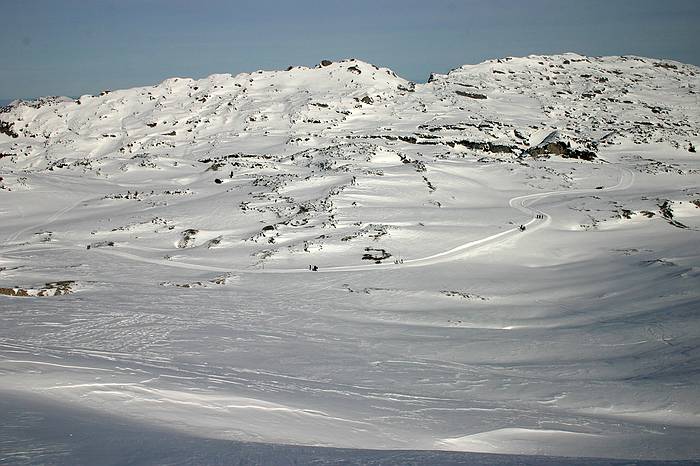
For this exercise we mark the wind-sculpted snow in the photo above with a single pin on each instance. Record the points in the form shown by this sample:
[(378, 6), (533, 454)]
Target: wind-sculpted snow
[(501, 260)]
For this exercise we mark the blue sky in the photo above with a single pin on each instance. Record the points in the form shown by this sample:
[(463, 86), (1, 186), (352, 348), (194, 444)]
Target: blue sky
[(74, 47)]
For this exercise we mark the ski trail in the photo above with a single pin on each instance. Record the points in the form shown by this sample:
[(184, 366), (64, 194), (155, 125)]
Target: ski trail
[(520, 203), (169, 263), (50, 220)]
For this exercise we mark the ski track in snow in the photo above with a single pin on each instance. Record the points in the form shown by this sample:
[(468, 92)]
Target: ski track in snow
[(519, 202), (49, 221)]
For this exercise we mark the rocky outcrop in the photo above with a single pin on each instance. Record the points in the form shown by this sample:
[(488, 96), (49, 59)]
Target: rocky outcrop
[(6, 129), (563, 149), (471, 95), (484, 146), (376, 255), (557, 144), (188, 238), (49, 289)]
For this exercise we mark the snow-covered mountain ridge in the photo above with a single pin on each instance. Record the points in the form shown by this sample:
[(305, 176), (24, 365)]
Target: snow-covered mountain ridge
[(506, 103), (506, 256)]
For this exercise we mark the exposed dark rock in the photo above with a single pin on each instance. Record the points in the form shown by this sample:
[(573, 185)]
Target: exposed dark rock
[(625, 213), (326, 62), (188, 237), (483, 146), (376, 255), (519, 135), (667, 66), (100, 244), (354, 69), (562, 148), (471, 95), (214, 241), (667, 212), (462, 294), (6, 128), (49, 289)]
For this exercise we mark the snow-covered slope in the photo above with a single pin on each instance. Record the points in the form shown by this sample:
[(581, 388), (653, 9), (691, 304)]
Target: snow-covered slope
[(507, 256)]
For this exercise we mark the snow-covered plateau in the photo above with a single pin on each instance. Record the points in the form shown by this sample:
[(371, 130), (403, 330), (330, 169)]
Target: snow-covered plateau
[(505, 259)]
